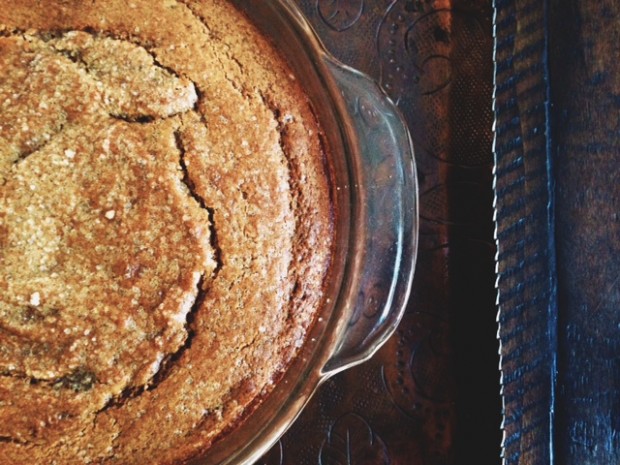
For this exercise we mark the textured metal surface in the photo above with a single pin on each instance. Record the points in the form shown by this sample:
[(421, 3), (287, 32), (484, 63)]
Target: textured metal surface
[(431, 395)]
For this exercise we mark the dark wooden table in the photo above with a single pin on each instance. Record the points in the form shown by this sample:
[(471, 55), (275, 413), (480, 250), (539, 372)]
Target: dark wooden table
[(558, 189), (431, 395)]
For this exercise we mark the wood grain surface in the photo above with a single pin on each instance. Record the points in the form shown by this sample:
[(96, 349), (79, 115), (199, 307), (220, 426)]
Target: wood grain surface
[(524, 232), (431, 395), (558, 198), (585, 92)]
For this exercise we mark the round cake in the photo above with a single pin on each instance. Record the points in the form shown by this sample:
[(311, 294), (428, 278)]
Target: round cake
[(166, 227)]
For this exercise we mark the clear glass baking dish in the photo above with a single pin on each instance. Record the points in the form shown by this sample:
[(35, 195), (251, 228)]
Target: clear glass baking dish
[(377, 228)]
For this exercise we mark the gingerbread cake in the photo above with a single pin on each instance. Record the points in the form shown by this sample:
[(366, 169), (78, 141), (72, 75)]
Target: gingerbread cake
[(165, 227)]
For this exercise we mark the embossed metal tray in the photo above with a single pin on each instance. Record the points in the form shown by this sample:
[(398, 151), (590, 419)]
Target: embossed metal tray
[(430, 395)]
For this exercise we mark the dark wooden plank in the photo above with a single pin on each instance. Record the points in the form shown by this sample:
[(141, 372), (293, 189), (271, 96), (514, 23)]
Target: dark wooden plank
[(585, 76), (524, 232), (558, 201)]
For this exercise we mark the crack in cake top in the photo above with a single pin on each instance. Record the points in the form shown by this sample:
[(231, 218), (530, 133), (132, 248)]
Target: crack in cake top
[(176, 192), (103, 247)]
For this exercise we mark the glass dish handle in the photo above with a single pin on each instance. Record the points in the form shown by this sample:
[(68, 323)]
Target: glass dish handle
[(385, 220)]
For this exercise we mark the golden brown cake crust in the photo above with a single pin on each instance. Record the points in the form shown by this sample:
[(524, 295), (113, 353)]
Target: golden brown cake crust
[(165, 227)]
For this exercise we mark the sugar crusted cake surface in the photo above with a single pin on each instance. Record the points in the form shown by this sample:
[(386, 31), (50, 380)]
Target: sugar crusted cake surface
[(165, 227)]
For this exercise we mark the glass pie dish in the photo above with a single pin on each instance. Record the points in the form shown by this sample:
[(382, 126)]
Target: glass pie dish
[(376, 229)]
